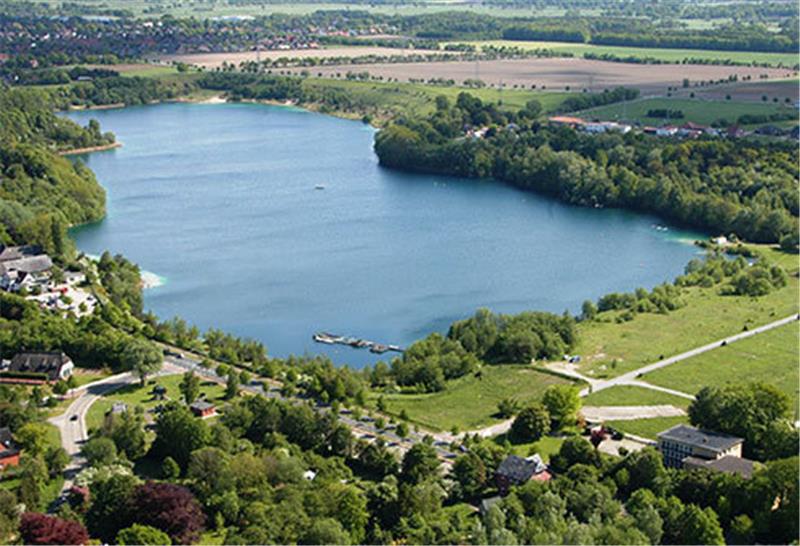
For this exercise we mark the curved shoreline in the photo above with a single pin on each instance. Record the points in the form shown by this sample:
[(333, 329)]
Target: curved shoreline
[(78, 151)]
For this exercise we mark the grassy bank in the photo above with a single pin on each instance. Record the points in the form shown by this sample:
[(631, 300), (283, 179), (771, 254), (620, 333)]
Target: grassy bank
[(662, 54), (697, 111), (387, 100), (770, 357), (470, 402), (625, 395), (647, 428), (706, 317)]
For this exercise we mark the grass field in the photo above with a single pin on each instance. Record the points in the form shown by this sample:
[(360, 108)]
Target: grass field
[(647, 428), (771, 357), (704, 112), (420, 99), (546, 447), (469, 402), (84, 375), (625, 395), (135, 395), (668, 55), (647, 338)]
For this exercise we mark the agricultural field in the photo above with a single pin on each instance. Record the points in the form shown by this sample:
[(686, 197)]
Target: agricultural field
[(770, 357), (647, 428), (136, 395), (470, 402), (649, 337), (753, 91), (557, 74), (704, 112), (661, 54), (628, 395)]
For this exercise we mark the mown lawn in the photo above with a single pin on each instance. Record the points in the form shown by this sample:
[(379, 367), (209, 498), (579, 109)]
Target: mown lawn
[(83, 375), (703, 111), (546, 447), (771, 357), (647, 428), (647, 338), (663, 54), (469, 402), (135, 395), (626, 395)]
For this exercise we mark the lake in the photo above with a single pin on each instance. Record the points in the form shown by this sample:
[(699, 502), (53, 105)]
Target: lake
[(220, 202)]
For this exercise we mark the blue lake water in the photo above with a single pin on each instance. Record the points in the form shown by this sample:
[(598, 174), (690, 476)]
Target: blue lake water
[(220, 202)]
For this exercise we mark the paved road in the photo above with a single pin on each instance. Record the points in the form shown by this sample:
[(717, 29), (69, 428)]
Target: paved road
[(628, 378), (72, 423), (629, 413)]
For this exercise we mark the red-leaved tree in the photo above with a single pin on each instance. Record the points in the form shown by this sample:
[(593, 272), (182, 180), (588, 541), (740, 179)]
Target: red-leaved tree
[(38, 528), (168, 507)]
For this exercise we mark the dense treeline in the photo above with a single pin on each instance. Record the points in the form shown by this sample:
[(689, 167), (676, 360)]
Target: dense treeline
[(643, 33), (484, 338), (726, 186), (42, 194)]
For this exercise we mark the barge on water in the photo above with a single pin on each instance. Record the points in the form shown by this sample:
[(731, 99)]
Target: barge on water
[(355, 342)]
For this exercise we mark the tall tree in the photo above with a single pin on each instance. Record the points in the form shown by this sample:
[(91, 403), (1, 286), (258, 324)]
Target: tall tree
[(170, 508), (37, 528), (144, 535), (143, 357), (419, 464), (563, 402), (531, 423), (190, 386)]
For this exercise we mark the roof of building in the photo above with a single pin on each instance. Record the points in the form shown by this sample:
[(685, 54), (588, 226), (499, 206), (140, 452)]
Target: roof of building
[(729, 463), (49, 363), (567, 119), (118, 407), (7, 445), (685, 434), (201, 405), (520, 470), (28, 264), (16, 252)]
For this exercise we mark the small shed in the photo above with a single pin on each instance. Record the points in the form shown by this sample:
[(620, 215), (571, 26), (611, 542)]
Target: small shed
[(203, 409)]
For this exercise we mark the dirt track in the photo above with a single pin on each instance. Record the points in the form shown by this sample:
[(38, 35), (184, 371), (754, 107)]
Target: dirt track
[(557, 74)]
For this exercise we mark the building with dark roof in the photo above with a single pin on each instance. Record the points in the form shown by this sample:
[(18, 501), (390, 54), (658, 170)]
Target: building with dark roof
[(8, 253), (42, 367), (201, 408), (728, 464), (682, 441), (9, 452), (516, 471)]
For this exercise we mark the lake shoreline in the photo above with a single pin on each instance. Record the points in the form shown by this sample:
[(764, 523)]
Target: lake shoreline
[(90, 149), (281, 291)]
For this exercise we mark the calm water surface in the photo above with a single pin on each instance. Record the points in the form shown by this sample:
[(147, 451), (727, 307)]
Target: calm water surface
[(220, 202)]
